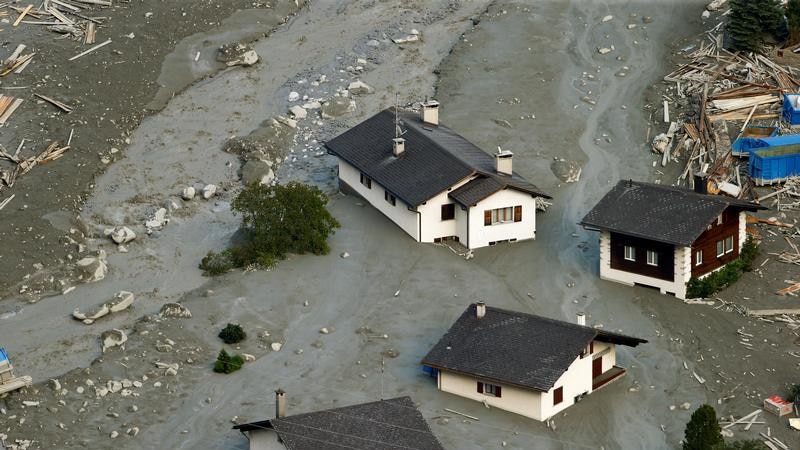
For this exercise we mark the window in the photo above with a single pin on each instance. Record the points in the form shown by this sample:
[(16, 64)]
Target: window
[(389, 198), (449, 211), (652, 258), (728, 244), (490, 389), (502, 215), (698, 257), (630, 253), (720, 248), (366, 181), (558, 396)]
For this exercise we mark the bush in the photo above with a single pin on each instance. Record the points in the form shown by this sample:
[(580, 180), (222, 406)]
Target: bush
[(703, 431), (226, 363), (276, 220), (232, 333), (753, 444), (750, 21), (719, 280), (794, 393)]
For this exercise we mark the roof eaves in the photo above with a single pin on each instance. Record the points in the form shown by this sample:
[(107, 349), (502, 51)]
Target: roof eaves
[(596, 227), (488, 378)]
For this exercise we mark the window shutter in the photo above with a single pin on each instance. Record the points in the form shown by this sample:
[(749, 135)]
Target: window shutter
[(518, 213), (498, 391), (487, 217), (480, 387)]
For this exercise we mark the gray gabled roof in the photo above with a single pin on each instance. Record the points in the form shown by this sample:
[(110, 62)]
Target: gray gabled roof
[(668, 214), (515, 348), (435, 158), (394, 424)]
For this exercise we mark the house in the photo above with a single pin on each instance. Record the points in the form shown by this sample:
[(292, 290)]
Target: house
[(434, 184), (522, 363), (383, 425), (662, 236)]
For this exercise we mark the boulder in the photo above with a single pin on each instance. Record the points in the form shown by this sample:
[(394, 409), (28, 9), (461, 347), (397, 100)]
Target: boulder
[(257, 171), (209, 191), (312, 105), (291, 123), (237, 54), (566, 171), (93, 268), (605, 50), (158, 220), (175, 310), (298, 112), (113, 338), (120, 301), (187, 193), (607, 19), (121, 235), (359, 88), (248, 357), (276, 346), (715, 5), (337, 107), (293, 96)]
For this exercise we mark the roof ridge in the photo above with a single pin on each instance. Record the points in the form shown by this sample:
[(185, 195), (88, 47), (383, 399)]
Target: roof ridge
[(417, 124)]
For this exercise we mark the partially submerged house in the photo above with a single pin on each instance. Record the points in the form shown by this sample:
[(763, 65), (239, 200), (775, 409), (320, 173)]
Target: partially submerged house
[(662, 236), (383, 425), (434, 184), (522, 363)]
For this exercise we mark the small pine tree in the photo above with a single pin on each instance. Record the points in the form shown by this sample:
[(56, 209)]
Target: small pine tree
[(703, 430), (743, 27), (232, 334), (226, 363), (793, 17)]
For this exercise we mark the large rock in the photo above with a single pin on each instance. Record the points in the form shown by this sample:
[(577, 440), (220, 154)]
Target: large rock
[(121, 235), (113, 338), (93, 268), (121, 300), (337, 107), (188, 193), (298, 112), (257, 171), (566, 171), (158, 220), (359, 88), (209, 191), (175, 310), (237, 54)]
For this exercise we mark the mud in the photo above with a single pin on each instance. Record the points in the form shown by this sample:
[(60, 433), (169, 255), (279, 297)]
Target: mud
[(514, 80)]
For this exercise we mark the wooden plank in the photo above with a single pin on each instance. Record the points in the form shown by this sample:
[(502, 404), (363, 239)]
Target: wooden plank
[(66, 5), (67, 109), (744, 419), (772, 312), (90, 50), (10, 110), (94, 2), (22, 15)]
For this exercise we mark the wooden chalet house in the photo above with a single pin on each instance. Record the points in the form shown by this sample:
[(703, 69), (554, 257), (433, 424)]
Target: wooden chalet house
[(662, 236)]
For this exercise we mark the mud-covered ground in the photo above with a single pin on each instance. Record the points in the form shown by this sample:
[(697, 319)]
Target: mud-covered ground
[(526, 77)]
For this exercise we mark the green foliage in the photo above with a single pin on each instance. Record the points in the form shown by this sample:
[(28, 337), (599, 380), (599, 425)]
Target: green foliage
[(276, 220), (703, 431), (753, 444), (226, 363), (719, 280), (793, 17), (751, 21), (794, 393), (232, 333)]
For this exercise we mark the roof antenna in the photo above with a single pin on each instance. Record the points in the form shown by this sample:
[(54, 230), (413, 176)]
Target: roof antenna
[(398, 132)]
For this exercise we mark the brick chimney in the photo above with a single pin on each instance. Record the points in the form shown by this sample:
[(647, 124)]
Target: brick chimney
[(430, 112), (480, 310), (398, 146), (280, 404), (504, 162)]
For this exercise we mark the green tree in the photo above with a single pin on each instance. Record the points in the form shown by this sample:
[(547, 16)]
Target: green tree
[(232, 334), (226, 363), (703, 431), (276, 220), (751, 21), (753, 444), (793, 17)]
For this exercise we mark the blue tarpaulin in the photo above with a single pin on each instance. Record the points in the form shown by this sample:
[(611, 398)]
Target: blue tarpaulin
[(3, 355), (791, 108)]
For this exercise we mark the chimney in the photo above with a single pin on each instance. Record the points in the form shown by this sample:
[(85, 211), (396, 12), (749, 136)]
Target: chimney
[(480, 310), (280, 404), (399, 146), (504, 162), (430, 112), (701, 183), (580, 319)]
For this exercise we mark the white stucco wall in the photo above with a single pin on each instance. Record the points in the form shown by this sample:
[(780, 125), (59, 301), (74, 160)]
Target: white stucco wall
[(399, 214), (520, 401), (742, 229), (677, 287), (481, 235), (575, 381), (264, 440), (434, 227)]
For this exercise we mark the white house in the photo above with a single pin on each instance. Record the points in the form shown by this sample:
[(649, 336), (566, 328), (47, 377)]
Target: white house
[(382, 425), (663, 236), (434, 184), (522, 363)]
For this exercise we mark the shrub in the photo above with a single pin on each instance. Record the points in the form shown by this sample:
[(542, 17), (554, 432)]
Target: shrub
[(794, 393), (232, 333), (719, 280), (748, 254), (226, 363), (753, 444), (750, 21), (276, 220), (703, 431)]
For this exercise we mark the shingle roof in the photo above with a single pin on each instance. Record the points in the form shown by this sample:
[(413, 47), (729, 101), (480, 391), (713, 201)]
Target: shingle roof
[(393, 424), (661, 213), (516, 348), (435, 158)]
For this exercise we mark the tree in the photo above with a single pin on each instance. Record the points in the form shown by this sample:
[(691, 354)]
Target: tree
[(703, 431), (750, 21), (276, 220), (232, 334), (793, 17), (226, 363), (753, 444)]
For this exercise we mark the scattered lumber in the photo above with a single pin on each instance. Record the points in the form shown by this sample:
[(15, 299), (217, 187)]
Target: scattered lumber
[(772, 312), (8, 105), (103, 44), (67, 109), (22, 15)]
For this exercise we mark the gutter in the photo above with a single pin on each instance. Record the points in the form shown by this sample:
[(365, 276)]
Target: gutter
[(419, 223)]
